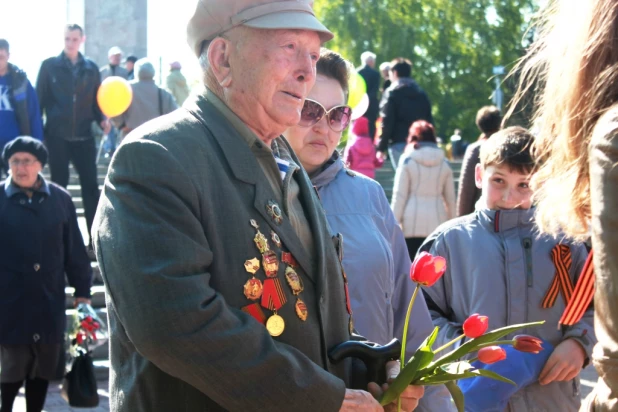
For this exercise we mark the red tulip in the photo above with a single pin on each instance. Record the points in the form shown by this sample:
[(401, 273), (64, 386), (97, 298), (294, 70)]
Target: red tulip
[(527, 343), (491, 354), (427, 269), (475, 326)]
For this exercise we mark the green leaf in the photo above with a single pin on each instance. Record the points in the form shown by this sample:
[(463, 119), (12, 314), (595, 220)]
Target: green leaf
[(456, 368), (473, 345), (493, 375), (456, 394), (422, 357)]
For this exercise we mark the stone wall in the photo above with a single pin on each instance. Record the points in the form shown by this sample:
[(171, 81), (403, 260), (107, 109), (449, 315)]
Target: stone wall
[(121, 23)]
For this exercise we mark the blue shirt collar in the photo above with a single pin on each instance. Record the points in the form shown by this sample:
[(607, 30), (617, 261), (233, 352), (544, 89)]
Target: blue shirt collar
[(11, 189)]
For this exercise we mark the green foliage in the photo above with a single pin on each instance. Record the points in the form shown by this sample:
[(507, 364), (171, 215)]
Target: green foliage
[(453, 45)]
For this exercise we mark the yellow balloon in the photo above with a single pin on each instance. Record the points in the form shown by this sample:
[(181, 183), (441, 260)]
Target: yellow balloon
[(114, 96), (358, 88)]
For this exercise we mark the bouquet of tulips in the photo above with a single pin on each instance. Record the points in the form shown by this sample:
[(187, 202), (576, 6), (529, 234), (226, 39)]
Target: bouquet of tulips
[(86, 328), (423, 369)]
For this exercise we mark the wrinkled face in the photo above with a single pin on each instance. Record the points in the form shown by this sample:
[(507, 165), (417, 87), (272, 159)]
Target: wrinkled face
[(502, 188), (272, 72), (25, 169), (314, 145), (115, 59), (73, 39)]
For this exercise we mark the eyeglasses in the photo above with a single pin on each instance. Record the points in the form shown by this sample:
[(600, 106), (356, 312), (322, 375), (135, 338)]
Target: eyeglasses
[(338, 118), (25, 162)]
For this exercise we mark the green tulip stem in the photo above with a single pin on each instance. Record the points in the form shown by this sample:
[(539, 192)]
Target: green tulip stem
[(446, 345), (402, 358)]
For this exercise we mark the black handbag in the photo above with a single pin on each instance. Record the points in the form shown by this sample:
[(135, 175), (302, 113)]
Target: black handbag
[(79, 387)]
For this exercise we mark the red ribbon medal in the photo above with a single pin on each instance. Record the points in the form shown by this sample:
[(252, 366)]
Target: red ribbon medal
[(272, 296)]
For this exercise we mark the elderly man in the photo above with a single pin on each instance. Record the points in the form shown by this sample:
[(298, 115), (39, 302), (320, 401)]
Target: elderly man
[(224, 289)]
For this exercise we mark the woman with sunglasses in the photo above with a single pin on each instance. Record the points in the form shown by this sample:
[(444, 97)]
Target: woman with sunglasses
[(375, 256)]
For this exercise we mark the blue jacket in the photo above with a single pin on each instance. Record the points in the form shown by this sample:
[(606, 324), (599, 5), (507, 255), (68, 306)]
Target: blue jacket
[(40, 241), (377, 263), (499, 265), (19, 107)]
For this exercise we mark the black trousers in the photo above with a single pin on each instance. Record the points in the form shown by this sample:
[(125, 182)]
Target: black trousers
[(83, 155), (414, 243)]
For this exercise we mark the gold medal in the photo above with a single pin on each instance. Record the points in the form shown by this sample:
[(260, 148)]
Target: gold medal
[(270, 263), (293, 280), (275, 325), (261, 242), (275, 238), (253, 289), (252, 265), (301, 310), (274, 211)]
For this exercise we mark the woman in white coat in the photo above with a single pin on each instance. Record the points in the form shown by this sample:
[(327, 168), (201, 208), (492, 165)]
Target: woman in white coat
[(424, 192)]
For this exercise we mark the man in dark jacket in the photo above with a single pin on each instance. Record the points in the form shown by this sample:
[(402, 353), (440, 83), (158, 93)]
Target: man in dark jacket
[(67, 88), (372, 79), (403, 103), (19, 106)]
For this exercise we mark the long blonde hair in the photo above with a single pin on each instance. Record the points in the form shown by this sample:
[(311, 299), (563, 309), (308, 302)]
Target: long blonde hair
[(573, 70)]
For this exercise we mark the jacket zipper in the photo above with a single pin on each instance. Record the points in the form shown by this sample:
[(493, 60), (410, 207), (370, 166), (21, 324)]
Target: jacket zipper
[(527, 243)]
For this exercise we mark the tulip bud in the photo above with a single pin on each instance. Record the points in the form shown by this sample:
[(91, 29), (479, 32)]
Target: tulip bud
[(475, 326), (527, 343), (491, 354), (427, 269)]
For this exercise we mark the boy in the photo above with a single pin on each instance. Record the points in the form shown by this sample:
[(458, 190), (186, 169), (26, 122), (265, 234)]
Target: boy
[(500, 265)]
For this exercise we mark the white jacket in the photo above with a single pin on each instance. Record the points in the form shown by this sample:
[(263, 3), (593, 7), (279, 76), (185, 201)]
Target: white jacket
[(424, 192)]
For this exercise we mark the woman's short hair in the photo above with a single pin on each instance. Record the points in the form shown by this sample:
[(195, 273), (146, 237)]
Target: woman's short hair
[(489, 120), (331, 64), (421, 131), (402, 67)]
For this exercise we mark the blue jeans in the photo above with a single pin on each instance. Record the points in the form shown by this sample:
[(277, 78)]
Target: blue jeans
[(395, 152)]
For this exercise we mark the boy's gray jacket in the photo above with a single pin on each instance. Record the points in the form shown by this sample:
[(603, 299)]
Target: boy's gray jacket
[(500, 266), (172, 235)]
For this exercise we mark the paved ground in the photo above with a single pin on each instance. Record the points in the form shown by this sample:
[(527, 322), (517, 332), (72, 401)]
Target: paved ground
[(55, 403)]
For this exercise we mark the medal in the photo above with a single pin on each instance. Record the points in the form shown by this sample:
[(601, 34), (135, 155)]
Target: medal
[(254, 223), (286, 257), (274, 211), (253, 289), (275, 238), (301, 310), (270, 263), (252, 265), (261, 242), (293, 280), (256, 312), (275, 325), (273, 297)]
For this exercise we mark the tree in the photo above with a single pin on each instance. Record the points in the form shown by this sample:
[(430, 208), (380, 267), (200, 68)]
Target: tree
[(453, 45)]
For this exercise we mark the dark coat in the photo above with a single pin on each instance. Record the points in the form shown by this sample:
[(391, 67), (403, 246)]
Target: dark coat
[(171, 235), (69, 102), (403, 103), (40, 241), (372, 79)]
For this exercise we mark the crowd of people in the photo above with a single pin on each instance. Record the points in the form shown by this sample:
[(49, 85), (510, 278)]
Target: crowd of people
[(238, 246)]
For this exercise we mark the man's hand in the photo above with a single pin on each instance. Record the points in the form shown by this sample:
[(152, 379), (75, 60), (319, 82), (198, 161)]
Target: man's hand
[(565, 362), (410, 396), (356, 400), (81, 300), (381, 156), (106, 125)]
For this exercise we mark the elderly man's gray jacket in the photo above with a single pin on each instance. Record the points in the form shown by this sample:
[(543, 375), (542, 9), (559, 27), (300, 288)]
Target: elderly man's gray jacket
[(499, 265), (172, 234)]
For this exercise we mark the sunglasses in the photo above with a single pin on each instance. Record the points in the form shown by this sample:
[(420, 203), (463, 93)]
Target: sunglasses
[(338, 118)]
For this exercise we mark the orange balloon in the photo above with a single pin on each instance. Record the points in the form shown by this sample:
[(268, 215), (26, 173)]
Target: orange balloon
[(114, 96)]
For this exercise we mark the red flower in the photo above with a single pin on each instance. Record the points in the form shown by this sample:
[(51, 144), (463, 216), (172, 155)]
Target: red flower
[(475, 326), (80, 338), (491, 354), (527, 343), (427, 269)]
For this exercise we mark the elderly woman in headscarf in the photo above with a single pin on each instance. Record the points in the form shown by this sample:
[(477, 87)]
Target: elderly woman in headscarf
[(40, 242)]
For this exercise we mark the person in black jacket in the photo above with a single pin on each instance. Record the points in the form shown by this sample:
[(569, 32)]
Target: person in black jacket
[(372, 80), (67, 87), (403, 103), (40, 242)]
